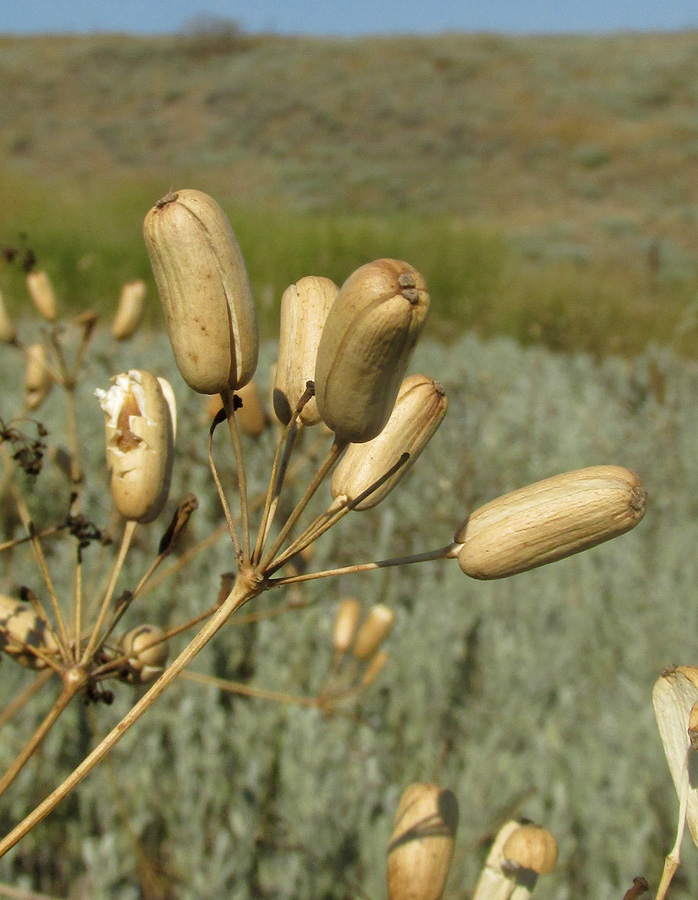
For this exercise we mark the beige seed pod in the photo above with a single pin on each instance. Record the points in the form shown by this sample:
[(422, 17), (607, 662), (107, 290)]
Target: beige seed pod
[(304, 309), (251, 416), (366, 345), (345, 623), (21, 626), (421, 845), (501, 878), (531, 847), (204, 289), (41, 291), (549, 520), (38, 380), (376, 627), (140, 430), (146, 659), (130, 309), (373, 669), (8, 332), (419, 410)]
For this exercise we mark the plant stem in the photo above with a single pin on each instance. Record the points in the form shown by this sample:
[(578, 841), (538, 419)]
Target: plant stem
[(25, 696), (247, 690), (228, 398)]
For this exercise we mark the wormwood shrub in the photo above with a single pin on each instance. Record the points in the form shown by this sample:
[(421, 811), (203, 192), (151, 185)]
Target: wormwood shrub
[(295, 824)]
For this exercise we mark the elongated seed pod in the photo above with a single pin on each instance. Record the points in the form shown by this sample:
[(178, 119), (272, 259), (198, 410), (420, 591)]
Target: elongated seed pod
[(373, 669), (419, 410), (130, 309), (531, 847), (345, 624), (304, 309), (146, 659), (421, 845), (41, 291), (140, 429), (8, 332), (204, 289), (376, 627), (549, 520), (20, 627), (366, 346), (38, 380)]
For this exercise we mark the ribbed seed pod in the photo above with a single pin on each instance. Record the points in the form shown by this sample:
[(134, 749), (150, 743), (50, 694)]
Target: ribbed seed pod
[(21, 626), (366, 345), (345, 623), (140, 429), (41, 291), (304, 309), (376, 627), (146, 660), (549, 520), (421, 845), (38, 380), (419, 410), (204, 289), (8, 332), (531, 847), (130, 309), (251, 416)]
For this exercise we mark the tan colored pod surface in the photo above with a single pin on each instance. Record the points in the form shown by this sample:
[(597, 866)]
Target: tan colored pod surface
[(304, 309), (146, 659), (20, 626), (531, 847), (549, 520), (376, 627), (345, 623), (204, 289), (419, 410), (421, 845), (251, 416), (130, 309), (38, 380), (366, 345), (8, 332), (41, 291), (140, 428)]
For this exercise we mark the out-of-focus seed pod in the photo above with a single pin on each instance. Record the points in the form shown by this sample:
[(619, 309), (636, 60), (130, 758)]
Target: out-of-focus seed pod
[(376, 627), (140, 429), (304, 309), (419, 410), (8, 332), (373, 669), (531, 847), (130, 309), (42, 294), (146, 659), (549, 520), (38, 380), (366, 345), (251, 416), (345, 624), (21, 626), (204, 289), (421, 845)]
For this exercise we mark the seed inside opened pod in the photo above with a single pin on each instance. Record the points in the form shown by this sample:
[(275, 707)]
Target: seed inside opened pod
[(531, 847)]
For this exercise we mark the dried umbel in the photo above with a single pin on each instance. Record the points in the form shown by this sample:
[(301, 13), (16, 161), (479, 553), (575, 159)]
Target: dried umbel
[(20, 629), (204, 289), (304, 309), (8, 332), (147, 653), (38, 380), (421, 845), (130, 309), (345, 624), (419, 410), (549, 520), (375, 629), (41, 291), (366, 345), (140, 428)]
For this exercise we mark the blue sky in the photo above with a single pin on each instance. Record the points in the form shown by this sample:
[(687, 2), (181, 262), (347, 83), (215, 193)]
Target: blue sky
[(349, 17)]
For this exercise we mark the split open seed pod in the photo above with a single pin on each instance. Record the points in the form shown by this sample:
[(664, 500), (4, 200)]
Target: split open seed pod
[(421, 845), (376, 627), (146, 659), (366, 345), (42, 294), (8, 332), (419, 410), (140, 429), (20, 628), (38, 380), (549, 520), (205, 292), (130, 309), (345, 624), (304, 309), (531, 847), (251, 416), (519, 854)]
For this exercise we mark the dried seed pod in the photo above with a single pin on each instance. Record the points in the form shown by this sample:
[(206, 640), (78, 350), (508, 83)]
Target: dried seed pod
[(146, 659), (498, 881), (38, 380), (549, 520), (130, 309), (366, 345), (20, 627), (41, 291), (251, 416), (204, 289), (376, 627), (140, 429), (345, 623), (304, 309), (418, 412), (8, 332), (373, 669), (531, 847), (421, 845)]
